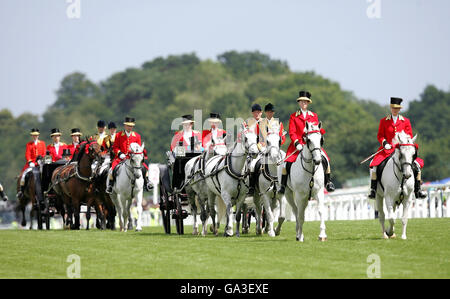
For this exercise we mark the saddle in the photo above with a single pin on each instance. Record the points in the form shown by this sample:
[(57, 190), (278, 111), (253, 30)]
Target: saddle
[(380, 169)]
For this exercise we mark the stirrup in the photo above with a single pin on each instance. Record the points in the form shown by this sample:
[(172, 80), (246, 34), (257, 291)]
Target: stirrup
[(420, 194), (330, 187), (109, 189), (282, 189), (372, 194)]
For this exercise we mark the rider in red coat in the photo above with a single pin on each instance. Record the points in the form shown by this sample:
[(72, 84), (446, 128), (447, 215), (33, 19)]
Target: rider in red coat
[(214, 133), (297, 123), (33, 150), (121, 147), (56, 148), (74, 147), (387, 129)]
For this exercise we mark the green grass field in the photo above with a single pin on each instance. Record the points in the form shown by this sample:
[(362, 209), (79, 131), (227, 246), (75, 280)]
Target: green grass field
[(152, 254)]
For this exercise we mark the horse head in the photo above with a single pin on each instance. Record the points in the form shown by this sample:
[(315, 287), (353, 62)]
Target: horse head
[(136, 154), (93, 150), (273, 142), (250, 138), (406, 149), (312, 137)]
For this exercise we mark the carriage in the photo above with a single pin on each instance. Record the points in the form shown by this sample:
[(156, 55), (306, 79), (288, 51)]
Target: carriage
[(173, 199), (45, 204)]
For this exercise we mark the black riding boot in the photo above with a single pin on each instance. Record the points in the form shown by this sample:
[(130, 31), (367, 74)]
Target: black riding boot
[(419, 193), (20, 193), (328, 183), (109, 187), (284, 177), (282, 189), (373, 188), (252, 183)]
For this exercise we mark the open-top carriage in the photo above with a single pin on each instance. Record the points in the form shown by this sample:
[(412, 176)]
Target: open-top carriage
[(45, 199), (173, 198)]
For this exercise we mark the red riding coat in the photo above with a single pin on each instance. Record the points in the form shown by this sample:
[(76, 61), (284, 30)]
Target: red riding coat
[(179, 136), (56, 155), (121, 145), (32, 151), (386, 131), (296, 131), (73, 149), (206, 136)]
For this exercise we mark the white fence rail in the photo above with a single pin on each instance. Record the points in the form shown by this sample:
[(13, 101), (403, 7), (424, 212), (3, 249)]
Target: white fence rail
[(356, 205)]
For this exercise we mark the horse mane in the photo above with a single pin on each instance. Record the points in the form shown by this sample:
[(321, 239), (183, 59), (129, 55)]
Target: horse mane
[(81, 151)]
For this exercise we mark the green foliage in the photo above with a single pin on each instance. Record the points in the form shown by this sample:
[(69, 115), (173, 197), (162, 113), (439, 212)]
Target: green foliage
[(166, 88)]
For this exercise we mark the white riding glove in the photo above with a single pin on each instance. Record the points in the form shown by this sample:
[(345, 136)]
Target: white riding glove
[(122, 156), (299, 147), (387, 146), (32, 164)]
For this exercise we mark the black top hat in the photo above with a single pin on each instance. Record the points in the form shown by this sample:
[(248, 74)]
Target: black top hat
[(214, 117), (55, 131), (101, 124), (66, 152), (187, 119), (304, 96), (76, 131), (256, 107), (129, 121), (269, 107), (35, 131), (112, 125), (395, 102)]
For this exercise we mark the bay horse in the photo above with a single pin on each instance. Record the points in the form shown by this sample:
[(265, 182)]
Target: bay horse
[(396, 184), (71, 181), (306, 180)]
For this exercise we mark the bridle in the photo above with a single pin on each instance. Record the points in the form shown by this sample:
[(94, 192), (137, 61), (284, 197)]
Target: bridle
[(308, 142), (400, 167)]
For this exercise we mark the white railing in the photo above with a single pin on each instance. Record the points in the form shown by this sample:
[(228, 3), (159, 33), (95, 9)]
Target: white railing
[(355, 205)]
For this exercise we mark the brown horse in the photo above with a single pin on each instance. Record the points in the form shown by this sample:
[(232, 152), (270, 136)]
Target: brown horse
[(72, 181)]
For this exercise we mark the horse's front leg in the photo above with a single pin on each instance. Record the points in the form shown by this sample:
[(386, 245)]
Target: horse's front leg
[(139, 211), (239, 210), (194, 213), (406, 203), (391, 216), (228, 207), (321, 210), (203, 214), (282, 215), (76, 214), (126, 212), (269, 215), (381, 215), (301, 202), (212, 211)]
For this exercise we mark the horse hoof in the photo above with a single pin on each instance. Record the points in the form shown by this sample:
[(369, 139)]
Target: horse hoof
[(393, 236), (403, 237), (385, 236), (271, 234), (322, 239), (138, 229)]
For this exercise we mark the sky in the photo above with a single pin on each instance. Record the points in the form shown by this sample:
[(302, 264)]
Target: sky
[(374, 48)]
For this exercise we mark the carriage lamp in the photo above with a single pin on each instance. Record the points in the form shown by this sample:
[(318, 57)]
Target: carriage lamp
[(180, 151), (48, 159)]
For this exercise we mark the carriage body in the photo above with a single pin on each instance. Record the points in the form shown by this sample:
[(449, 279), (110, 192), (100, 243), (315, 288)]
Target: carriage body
[(45, 195), (173, 198)]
